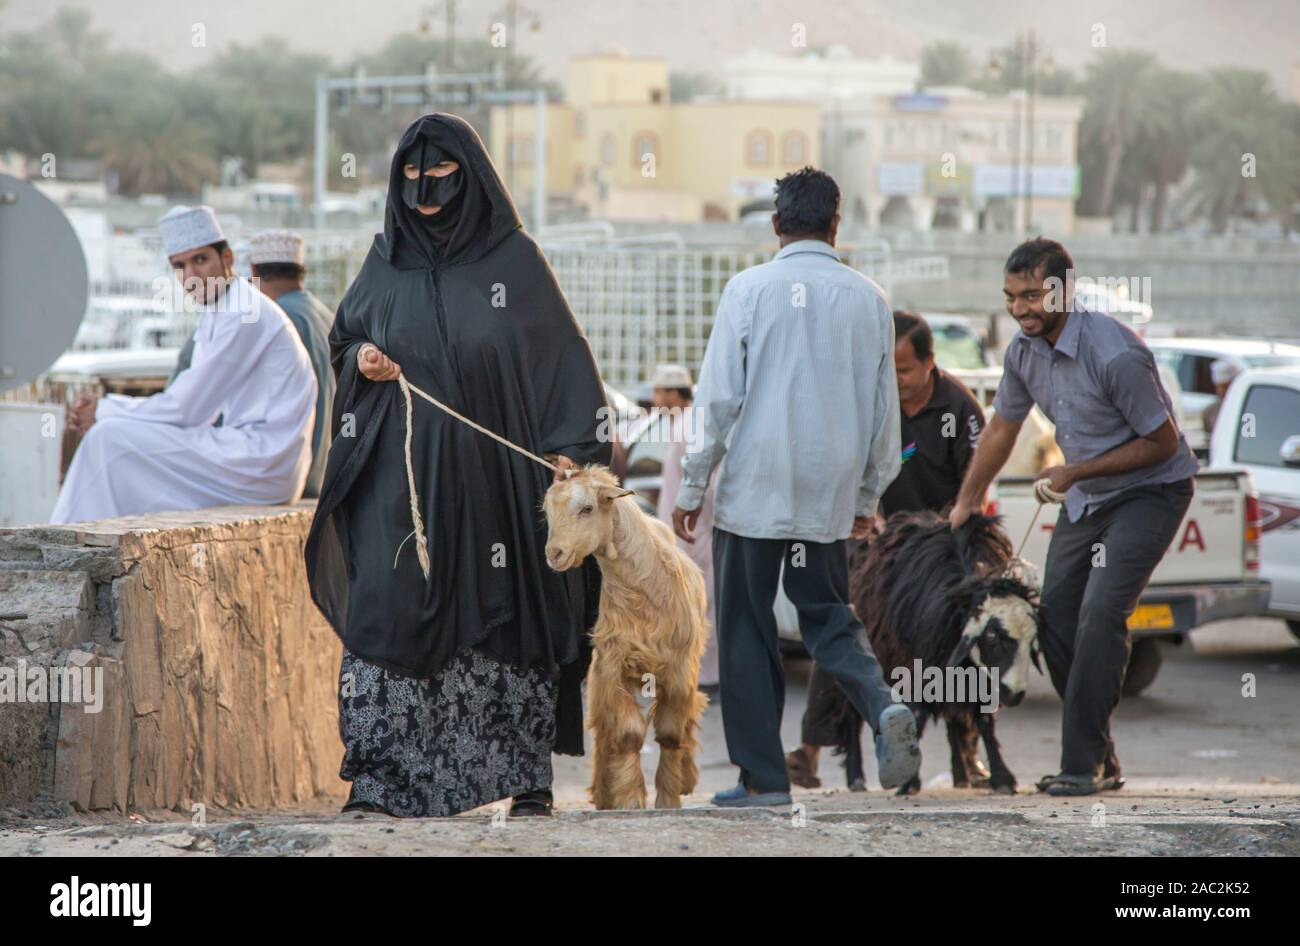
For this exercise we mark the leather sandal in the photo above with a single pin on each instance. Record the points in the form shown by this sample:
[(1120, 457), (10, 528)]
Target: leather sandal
[(1082, 784)]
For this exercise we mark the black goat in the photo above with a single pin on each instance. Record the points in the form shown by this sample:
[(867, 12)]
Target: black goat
[(947, 599)]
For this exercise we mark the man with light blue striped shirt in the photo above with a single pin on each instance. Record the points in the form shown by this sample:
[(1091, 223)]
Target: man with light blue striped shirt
[(798, 391)]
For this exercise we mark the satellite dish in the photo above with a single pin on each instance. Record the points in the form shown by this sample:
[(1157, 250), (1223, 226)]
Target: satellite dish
[(44, 286)]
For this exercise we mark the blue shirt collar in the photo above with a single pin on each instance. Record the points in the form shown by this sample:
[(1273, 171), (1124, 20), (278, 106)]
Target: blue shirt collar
[(807, 246), (1068, 343)]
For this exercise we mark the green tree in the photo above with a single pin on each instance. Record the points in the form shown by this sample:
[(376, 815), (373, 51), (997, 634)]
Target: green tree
[(259, 100), (1114, 112), (158, 151), (684, 86), (1247, 147), (945, 63), (1161, 142)]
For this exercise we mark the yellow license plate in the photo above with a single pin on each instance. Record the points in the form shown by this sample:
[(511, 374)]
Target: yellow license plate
[(1151, 616)]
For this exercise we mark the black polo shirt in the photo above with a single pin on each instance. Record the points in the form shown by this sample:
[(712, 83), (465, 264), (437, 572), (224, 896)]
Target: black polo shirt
[(938, 443)]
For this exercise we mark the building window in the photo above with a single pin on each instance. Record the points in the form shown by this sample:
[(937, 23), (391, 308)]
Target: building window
[(607, 149), (758, 147), (794, 148), (643, 143), (579, 124), (1055, 140)]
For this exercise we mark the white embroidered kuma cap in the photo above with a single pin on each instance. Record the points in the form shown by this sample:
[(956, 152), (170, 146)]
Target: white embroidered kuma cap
[(671, 376), (186, 228), (276, 246)]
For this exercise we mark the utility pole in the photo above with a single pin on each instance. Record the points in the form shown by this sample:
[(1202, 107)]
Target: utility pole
[(1031, 82), (511, 15), (447, 7), (451, 34)]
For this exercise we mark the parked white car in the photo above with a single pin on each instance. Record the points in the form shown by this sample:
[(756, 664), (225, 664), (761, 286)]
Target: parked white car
[(1258, 431), (1189, 359), (1212, 571)]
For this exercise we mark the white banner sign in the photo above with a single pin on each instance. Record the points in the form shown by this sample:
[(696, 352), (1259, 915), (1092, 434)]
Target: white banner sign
[(996, 180), (900, 180)]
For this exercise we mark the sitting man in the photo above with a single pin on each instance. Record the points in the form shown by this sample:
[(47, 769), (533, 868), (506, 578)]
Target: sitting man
[(147, 454), (279, 269)]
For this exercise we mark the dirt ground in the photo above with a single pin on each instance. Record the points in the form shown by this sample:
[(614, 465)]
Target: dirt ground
[(1211, 771)]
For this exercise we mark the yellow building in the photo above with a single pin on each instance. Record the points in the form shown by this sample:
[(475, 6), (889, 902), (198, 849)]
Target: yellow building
[(620, 150)]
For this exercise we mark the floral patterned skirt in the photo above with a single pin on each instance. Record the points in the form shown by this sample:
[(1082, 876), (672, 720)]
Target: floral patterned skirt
[(479, 731)]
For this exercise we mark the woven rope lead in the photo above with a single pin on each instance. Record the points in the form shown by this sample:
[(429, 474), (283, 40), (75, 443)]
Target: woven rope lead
[(422, 540), (1044, 493)]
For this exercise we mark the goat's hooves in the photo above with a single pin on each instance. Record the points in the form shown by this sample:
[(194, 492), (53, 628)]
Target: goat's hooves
[(912, 787), (1004, 788)]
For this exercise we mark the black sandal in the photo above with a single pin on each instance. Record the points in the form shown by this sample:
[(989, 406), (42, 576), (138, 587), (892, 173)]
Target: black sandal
[(365, 807), (1076, 785), (532, 804)]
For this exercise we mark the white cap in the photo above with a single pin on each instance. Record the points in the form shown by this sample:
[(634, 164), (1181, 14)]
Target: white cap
[(1222, 372), (276, 246), (185, 228), (671, 376)]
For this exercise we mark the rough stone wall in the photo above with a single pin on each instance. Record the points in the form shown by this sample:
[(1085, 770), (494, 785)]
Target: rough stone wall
[(219, 674)]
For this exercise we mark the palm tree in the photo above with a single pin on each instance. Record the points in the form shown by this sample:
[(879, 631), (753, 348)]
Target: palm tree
[(156, 150), (1115, 110), (1162, 140), (945, 63), (1241, 116)]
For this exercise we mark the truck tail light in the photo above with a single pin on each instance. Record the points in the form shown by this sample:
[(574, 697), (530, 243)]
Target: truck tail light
[(1250, 547)]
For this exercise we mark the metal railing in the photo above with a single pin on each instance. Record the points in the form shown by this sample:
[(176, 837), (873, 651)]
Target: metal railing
[(641, 300)]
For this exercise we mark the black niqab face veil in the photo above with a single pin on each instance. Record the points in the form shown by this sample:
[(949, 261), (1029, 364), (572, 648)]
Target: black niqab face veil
[(431, 190), (477, 212)]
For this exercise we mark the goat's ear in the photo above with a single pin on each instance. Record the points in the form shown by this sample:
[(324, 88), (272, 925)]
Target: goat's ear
[(1034, 651), (607, 494), (962, 650)]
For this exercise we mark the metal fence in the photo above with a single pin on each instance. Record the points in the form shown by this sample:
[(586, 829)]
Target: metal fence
[(643, 305), (641, 300)]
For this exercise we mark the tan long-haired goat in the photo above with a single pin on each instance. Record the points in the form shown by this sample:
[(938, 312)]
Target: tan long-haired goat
[(653, 620)]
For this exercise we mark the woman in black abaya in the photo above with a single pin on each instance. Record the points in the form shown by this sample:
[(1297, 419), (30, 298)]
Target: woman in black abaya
[(456, 688)]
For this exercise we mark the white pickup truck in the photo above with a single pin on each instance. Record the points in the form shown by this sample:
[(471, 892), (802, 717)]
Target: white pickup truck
[(1210, 573), (1258, 431)]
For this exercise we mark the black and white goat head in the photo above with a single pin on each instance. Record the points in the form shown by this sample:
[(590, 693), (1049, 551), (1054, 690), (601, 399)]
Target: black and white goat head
[(1001, 633), (952, 600)]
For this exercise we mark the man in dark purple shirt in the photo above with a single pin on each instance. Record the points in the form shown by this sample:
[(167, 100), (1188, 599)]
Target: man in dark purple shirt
[(1127, 483)]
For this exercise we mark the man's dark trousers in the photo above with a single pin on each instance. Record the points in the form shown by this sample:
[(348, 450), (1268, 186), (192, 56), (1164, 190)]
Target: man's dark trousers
[(752, 681), (1096, 571)]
